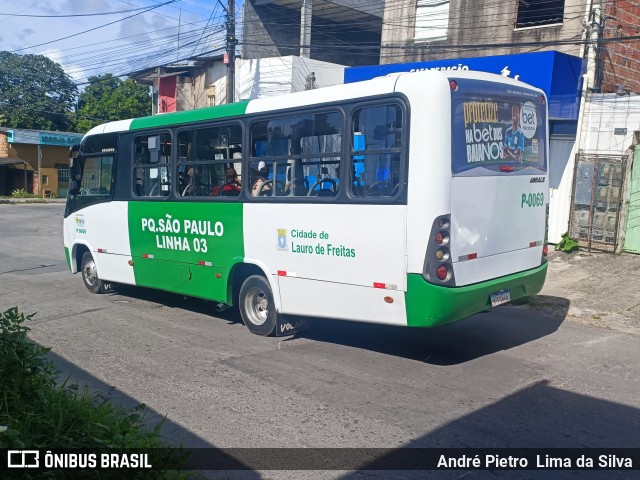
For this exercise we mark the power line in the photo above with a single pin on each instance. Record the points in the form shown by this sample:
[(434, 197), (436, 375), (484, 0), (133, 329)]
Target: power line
[(71, 15), (93, 29)]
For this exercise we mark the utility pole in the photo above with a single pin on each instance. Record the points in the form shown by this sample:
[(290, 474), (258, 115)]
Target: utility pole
[(39, 170), (305, 28), (599, 50), (231, 50)]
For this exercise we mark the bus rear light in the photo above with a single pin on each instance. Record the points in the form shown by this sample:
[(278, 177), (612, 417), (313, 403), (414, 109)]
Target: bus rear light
[(441, 238), (437, 268), (379, 285), (442, 272), (545, 250), (506, 168), (453, 85)]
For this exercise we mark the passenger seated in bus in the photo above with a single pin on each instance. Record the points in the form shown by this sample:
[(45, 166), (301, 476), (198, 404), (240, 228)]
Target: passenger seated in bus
[(191, 182), (230, 187), (259, 182)]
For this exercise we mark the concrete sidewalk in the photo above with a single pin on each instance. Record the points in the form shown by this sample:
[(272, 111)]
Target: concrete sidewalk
[(603, 289)]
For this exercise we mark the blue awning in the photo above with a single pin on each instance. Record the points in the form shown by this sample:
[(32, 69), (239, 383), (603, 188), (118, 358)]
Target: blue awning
[(559, 75)]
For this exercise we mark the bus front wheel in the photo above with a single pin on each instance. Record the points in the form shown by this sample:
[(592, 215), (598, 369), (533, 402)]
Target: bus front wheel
[(256, 304), (90, 274)]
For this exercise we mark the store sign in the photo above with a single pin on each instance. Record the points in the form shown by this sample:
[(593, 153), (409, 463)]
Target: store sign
[(559, 75), (59, 139), (34, 137)]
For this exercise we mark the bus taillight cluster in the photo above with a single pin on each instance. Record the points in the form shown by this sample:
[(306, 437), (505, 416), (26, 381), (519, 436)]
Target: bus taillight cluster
[(443, 272), (438, 267)]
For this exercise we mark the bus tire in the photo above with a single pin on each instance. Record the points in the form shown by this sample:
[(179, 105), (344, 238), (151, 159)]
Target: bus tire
[(257, 307), (90, 274)]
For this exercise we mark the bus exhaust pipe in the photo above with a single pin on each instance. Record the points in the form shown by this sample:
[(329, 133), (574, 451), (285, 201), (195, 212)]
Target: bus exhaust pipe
[(221, 307)]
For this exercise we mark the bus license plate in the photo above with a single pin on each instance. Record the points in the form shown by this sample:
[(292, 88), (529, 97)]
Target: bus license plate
[(498, 298)]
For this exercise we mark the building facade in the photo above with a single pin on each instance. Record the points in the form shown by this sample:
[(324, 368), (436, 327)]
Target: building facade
[(203, 83), (419, 30), (345, 32), (36, 161)]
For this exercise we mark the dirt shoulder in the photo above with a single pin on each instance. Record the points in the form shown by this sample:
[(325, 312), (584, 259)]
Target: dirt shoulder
[(602, 289)]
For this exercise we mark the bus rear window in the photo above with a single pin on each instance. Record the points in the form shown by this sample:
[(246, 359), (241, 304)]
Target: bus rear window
[(498, 130)]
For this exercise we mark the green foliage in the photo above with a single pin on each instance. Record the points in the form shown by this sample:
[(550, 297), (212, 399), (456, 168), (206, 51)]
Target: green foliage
[(39, 413), (35, 93), (567, 244), (22, 193), (109, 98)]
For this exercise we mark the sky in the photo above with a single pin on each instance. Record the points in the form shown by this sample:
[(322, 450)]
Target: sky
[(121, 39)]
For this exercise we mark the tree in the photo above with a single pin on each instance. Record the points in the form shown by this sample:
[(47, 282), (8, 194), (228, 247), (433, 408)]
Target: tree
[(35, 92), (109, 98)]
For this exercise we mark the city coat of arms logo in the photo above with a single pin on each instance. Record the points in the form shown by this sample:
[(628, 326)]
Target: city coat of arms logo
[(282, 239)]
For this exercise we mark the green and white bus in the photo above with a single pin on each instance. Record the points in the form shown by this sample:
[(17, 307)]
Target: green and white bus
[(416, 199)]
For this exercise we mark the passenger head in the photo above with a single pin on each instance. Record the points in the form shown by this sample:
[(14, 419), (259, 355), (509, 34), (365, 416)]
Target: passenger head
[(231, 174)]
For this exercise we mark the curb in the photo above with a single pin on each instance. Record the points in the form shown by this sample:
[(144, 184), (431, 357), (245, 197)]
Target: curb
[(20, 201)]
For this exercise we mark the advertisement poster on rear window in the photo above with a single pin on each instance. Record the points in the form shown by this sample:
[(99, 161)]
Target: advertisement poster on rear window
[(499, 129)]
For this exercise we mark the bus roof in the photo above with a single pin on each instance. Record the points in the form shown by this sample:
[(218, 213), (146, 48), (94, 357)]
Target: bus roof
[(375, 86)]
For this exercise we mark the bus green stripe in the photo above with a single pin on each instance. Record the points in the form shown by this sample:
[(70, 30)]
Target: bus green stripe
[(431, 305), (188, 116), (68, 256)]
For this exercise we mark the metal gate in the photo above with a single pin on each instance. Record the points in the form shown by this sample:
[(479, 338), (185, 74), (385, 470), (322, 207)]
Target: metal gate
[(596, 201)]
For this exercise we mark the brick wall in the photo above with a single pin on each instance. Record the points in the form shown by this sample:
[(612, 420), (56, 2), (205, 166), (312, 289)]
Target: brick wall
[(4, 145), (621, 60)]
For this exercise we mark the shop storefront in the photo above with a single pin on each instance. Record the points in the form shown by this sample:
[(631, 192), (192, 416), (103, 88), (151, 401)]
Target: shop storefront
[(36, 161)]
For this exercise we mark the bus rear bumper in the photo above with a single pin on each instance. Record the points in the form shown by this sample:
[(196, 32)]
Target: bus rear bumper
[(431, 305)]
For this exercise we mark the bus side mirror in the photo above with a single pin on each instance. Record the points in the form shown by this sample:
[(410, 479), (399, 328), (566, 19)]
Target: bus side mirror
[(74, 187), (75, 170)]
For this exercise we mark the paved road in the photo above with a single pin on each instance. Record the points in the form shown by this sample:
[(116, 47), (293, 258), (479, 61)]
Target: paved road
[(514, 377)]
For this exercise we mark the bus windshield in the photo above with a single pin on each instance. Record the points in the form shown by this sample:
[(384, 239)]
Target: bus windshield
[(498, 128)]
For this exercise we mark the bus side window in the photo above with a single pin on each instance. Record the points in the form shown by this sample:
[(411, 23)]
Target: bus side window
[(375, 158), (300, 153), (212, 163), (151, 165)]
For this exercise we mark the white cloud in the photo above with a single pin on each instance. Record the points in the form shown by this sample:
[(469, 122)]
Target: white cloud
[(74, 71)]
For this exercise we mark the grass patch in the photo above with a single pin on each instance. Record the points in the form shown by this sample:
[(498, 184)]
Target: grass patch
[(39, 412)]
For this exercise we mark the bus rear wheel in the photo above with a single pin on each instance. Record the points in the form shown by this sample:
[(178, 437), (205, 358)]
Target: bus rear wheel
[(90, 274), (257, 308)]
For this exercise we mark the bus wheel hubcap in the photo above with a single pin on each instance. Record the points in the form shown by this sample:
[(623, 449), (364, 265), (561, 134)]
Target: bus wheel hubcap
[(257, 305), (90, 273)]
